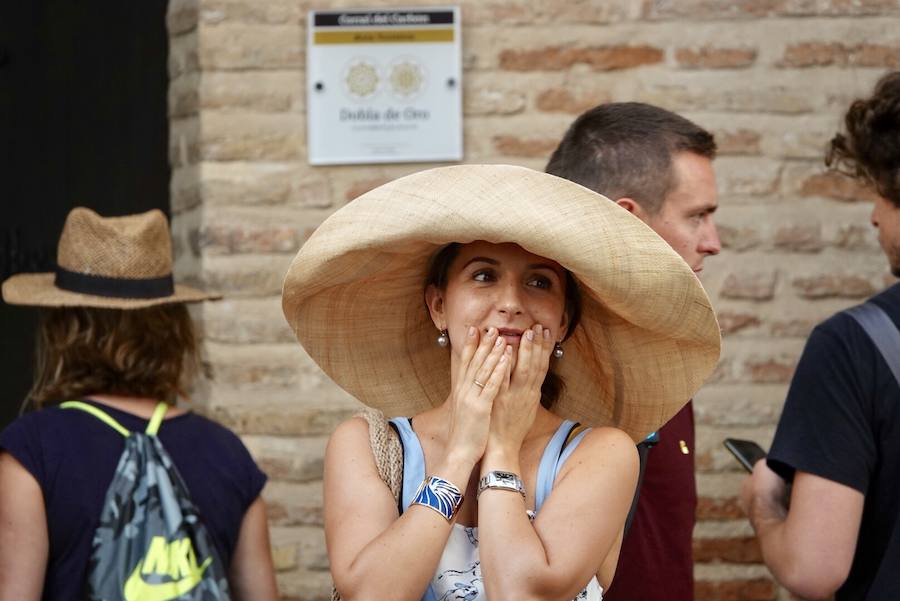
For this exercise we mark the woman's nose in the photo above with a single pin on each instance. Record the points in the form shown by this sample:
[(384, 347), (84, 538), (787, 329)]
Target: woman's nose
[(510, 299)]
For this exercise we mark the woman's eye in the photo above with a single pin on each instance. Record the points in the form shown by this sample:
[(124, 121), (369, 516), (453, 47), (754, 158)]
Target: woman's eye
[(539, 282), (484, 275)]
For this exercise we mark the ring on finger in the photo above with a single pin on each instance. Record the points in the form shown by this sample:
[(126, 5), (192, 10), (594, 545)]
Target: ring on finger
[(477, 383)]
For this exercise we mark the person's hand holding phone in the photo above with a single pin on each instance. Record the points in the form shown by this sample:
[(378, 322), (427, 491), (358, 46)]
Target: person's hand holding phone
[(746, 452)]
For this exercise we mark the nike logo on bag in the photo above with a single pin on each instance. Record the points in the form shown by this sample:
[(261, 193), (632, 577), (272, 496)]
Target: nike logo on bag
[(175, 560)]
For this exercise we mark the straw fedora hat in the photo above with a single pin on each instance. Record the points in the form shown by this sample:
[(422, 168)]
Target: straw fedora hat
[(646, 341), (108, 263)]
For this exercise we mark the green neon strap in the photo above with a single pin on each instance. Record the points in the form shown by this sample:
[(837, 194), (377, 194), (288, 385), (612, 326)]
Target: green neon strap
[(158, 414), (99, 414)]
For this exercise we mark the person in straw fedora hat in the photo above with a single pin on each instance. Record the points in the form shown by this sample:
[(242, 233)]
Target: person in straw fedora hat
[(523, 334), (116, 335)]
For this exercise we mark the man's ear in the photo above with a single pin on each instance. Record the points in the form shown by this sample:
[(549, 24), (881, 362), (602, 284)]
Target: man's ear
[(632, 206), (434, 300)]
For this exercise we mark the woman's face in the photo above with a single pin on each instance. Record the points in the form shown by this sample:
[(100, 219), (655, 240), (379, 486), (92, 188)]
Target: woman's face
[(501, 286)]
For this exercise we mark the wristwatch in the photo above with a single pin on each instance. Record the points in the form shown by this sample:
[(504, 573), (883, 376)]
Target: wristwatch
[(502, 480)]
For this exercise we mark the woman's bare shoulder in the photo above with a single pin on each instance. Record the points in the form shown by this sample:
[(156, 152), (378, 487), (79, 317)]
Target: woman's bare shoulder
[(607, 444), (352, 433)]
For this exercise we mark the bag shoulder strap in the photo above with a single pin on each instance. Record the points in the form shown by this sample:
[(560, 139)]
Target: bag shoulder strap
[(386, 448), (106, 418), (882, 331)]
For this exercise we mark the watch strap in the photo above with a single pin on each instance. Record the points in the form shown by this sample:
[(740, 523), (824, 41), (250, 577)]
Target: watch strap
[(501, 480)]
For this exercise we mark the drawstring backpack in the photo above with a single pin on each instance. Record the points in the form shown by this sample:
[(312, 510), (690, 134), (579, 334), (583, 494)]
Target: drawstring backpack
[(150, 544)]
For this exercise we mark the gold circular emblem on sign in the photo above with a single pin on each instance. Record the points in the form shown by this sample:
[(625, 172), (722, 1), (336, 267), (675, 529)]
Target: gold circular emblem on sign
[(406, 78), (361, 79)]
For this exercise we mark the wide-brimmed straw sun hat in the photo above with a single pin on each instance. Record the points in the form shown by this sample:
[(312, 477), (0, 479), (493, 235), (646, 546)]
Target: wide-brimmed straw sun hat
[(646, 341), (108, 263)]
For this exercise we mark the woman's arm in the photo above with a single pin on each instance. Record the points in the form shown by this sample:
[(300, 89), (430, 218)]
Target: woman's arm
[(252, 575), (375, 554), (23, 533), (576, 529)]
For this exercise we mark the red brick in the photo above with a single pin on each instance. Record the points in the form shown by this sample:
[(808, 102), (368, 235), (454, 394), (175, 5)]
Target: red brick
[(709, 9), (738, 142), (759, 286), (712, 57), (837, 186), (855, 237), (799, 238), (753, 9), (822, 54), (744, 549), (835, 8), (279, 515), (558, 100), (235, 239), (361, 187), (792, 328), (703, 462), (709, 508), (732, 322), (498, 13), (487, 100), (525, 147), (722, 372), (770, 370), (276, 421), (756, 589), (181, 17), (599, 58), (834, 286), (739, 239)]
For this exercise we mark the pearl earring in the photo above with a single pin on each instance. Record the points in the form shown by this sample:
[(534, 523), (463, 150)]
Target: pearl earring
[(558, 351), (443, 339)]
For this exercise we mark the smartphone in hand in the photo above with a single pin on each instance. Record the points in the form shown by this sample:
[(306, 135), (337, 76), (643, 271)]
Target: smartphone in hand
[(746, 452)]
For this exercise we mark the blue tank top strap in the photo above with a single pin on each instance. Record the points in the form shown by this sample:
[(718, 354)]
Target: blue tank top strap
[(413, 472), (555, 454), (413, 461)]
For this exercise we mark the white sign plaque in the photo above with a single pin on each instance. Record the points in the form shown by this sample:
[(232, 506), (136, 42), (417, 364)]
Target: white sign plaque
[(384, 86)]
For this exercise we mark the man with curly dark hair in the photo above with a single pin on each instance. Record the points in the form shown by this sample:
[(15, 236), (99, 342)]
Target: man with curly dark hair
[(837, 529)]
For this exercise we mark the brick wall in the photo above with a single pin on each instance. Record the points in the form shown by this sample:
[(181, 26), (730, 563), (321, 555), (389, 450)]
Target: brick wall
[(769, 77)]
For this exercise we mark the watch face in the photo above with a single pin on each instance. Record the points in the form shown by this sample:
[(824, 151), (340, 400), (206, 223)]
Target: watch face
[(506, 477)]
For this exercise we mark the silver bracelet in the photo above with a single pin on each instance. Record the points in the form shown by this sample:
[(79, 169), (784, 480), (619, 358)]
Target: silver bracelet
[(439, 495), (501, 480)]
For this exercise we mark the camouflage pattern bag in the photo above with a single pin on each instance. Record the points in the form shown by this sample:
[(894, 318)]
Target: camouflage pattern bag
[(150, 544)]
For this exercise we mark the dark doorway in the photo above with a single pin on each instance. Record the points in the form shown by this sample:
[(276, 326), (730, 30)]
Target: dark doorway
[(83, 121)]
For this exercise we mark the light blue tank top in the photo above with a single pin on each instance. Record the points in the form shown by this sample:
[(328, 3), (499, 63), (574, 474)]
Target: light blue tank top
[(414, 469)]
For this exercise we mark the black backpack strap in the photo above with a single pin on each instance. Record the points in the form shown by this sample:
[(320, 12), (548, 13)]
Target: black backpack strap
[(883, 332), (643, 448)]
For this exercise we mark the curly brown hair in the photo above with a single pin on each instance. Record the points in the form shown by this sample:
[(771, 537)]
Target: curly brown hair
[(870, 148), (149, 352)]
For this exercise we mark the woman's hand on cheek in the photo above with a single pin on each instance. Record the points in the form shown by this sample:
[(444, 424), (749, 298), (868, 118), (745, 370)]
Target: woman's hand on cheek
[(516, 405), (484, 368)]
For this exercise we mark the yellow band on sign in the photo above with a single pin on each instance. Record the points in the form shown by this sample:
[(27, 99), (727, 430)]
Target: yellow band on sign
[(383, 36)]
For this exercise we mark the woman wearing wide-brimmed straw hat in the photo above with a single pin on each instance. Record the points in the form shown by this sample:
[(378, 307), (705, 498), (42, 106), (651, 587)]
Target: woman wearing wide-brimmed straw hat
[(115, 335), (492, 309)]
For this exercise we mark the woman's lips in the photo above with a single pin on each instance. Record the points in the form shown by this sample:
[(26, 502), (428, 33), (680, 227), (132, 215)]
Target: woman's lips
[(511, 336)]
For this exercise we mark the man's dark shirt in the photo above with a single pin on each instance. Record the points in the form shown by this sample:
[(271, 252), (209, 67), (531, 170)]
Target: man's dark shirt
[(841, 421), (656, 561)]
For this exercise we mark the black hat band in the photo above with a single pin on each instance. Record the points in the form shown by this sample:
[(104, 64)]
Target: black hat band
[(98, 285)]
